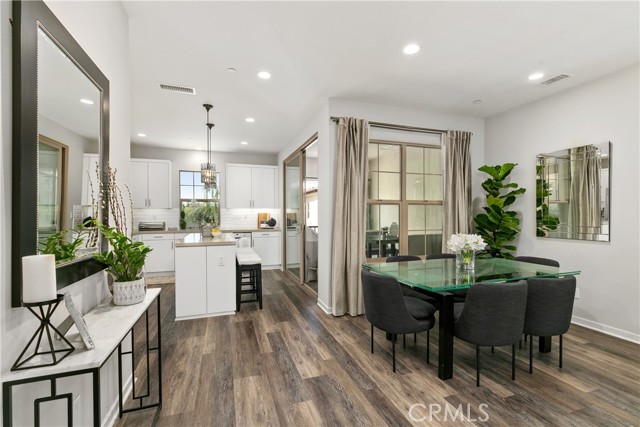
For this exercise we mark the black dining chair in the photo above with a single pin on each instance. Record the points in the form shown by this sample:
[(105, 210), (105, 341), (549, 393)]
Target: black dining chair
[(538, 260), (549, 310), (459, 295), (493, 316), (387, 309), (406, 290)]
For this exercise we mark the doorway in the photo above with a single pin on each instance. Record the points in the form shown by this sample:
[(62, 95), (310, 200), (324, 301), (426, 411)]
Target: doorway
[(301, 214)]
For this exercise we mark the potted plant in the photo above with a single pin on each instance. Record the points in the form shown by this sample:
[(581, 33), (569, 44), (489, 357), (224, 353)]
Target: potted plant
[(498, 226), (125, 262)]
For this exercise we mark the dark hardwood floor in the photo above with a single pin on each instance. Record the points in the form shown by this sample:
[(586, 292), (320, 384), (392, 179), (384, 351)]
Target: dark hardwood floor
[(292, 365)]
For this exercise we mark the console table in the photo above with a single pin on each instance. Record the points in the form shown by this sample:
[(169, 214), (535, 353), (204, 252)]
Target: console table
[(108, 325)]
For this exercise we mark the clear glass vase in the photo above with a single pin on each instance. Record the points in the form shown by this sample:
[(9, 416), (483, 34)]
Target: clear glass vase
[(466, 260)]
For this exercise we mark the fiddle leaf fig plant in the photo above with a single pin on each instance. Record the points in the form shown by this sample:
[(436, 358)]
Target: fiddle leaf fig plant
[(498, 225), (545, 222)]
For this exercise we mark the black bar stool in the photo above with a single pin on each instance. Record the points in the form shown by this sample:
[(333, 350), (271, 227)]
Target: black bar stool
[(248, 277)]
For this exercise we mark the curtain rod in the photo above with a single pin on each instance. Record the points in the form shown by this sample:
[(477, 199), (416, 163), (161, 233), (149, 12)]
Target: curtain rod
[(399, 127)]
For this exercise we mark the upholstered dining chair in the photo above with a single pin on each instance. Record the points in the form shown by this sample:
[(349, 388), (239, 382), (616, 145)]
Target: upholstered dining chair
[(549, 310), (406, 290), (387, 309), (538, 260), (459, 295), (493, 316)]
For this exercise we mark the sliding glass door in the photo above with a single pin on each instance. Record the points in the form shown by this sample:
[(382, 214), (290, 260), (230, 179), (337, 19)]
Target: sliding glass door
[(293, 221)]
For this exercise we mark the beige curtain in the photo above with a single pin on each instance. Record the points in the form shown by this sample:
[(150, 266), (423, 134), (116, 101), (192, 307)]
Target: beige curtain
[(349, 216), (457, 185), (584, 194)]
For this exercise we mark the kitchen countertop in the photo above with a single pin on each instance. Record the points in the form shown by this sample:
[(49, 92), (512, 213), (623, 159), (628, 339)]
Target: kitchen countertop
[(196, 239), (197, 230)]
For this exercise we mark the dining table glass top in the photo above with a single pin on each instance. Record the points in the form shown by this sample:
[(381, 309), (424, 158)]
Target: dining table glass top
[(441, 275)]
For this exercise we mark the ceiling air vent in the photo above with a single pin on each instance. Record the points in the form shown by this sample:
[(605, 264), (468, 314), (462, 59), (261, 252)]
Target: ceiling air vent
[(177, 88), (555, 79)]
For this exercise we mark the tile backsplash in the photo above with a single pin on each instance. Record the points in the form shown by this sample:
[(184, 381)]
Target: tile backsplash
[(229, 218)]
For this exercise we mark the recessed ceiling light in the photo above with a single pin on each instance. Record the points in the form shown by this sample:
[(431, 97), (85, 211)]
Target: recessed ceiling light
[(142, 135), (536, 76), (264, 75), (477, 101), (244, 143), (86, 101), (410, 49), (232, 70), (249, 120)]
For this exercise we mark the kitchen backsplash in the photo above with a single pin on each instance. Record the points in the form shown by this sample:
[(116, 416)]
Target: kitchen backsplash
[(229, 218), (245, 218)]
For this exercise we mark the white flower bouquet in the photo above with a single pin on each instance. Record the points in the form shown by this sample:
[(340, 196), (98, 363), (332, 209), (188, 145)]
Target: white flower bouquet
[(464, 242)]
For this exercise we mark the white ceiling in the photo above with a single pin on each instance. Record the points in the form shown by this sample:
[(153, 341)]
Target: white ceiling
[(353, 50)]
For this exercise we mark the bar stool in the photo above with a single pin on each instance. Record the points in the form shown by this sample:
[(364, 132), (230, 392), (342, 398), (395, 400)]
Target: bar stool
[(248, 276)]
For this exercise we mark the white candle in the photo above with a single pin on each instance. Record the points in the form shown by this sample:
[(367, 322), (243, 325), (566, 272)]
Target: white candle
[(38, 278)]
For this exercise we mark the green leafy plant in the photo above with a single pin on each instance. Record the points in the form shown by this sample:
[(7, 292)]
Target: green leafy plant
[(545, 222), (499, 226), (198, 213), (183, 220), (57, 245), (126, 258)]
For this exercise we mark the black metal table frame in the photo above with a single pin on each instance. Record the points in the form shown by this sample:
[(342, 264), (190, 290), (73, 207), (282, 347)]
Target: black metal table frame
[(7, 387), (445, 336)]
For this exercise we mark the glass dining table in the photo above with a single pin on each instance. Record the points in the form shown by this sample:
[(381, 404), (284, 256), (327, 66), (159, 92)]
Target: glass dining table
[(439, 277)]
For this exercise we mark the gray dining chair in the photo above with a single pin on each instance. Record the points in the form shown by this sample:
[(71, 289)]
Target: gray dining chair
[(387, 309), (493, 316), (406, 290), (538, 260), (549, 310)]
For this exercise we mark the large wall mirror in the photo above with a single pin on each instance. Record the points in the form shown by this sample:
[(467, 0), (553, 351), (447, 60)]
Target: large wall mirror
[(573, 198), (60, 143)]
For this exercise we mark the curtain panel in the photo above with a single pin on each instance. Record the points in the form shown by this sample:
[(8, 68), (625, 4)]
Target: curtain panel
[(585, 217), (456, 201), (349, 216)]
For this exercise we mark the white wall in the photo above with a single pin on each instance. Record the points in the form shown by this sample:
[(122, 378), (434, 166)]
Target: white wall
[(106, 41), (327, 135), (607, 109)]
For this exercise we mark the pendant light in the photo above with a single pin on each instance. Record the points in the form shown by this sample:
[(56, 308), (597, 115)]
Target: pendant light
[(208, 169)]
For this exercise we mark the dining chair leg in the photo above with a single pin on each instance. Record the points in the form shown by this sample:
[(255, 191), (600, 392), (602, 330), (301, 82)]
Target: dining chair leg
[(530, 356), (372, 338), (520, 344), (428, 341), (493, 349), (404, 341), (393, 350), (560, 348), (513, 362), (415, 337), (477, 366)]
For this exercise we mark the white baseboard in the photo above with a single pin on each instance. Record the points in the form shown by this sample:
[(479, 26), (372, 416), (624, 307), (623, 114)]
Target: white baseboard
[(609, 330), (112, 415), (324, 307), (200, 316)]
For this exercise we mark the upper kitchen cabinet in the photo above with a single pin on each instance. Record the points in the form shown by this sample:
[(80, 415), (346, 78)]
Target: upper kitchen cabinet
[(251, 186), (151, 183)]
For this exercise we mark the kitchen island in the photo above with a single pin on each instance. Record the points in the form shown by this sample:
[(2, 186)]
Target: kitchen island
[(205, 276)]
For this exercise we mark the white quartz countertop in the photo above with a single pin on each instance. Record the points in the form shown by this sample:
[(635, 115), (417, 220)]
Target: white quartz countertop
[(197, 230), (196, 239)]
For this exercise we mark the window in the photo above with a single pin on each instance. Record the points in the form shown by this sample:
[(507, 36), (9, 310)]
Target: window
[(197, 205), (404, 210)]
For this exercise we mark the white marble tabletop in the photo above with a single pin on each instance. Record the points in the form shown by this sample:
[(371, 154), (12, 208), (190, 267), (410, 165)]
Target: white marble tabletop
[(108, 324)]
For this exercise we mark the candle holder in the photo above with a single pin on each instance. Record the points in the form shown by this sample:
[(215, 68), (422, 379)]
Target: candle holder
[(43, 311)]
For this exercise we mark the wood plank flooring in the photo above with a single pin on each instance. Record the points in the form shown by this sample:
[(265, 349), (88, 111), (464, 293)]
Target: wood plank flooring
[(292, 365)]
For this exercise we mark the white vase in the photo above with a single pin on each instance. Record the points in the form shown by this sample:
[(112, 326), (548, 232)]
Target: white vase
[(127, 293)]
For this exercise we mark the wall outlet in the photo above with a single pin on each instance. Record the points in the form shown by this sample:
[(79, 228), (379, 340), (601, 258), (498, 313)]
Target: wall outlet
[(577, 293), (221, 260)]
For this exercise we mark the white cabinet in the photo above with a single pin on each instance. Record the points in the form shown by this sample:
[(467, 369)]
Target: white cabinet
[(161, 258), (90, 183), (251, 186), (267, 246), (151, 183), (205, 281)]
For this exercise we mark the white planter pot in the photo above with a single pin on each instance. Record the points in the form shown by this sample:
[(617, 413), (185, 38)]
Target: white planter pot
[(127, 293)]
